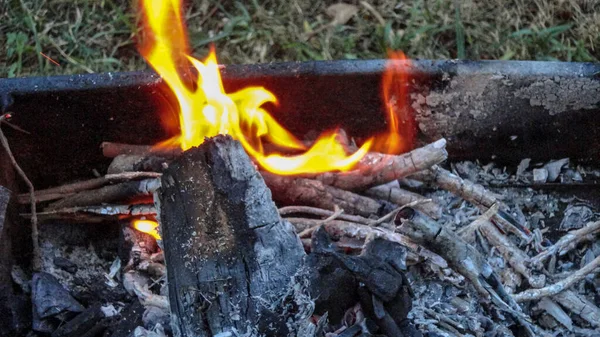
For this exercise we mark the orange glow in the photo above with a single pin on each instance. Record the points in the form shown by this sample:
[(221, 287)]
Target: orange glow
[(402, 126), (148, 227), (207, 110)]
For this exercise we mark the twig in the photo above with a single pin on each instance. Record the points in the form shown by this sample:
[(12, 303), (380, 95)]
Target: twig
[(377, 169), (394, 212), (107, 210), (535, 294), (567, 242), (37, 256), (283, 211), (515, 257), (69, 189), (335, 215), (402, 197), (111, 150), (467, 232)]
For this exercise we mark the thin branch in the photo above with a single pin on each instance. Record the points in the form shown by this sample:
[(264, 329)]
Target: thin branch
[(37, 258), (283, 211), (551, 290)]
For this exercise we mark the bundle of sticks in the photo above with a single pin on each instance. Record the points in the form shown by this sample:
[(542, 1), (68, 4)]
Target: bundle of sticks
[(364, 203)]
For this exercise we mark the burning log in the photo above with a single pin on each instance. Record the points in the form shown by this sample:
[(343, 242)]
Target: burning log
[(229, 256), (377, 169)]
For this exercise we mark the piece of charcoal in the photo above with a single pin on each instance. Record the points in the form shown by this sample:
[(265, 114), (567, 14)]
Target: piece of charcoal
[(576, 216), (540, 175), (50, 298), (65, 264), (81, 323)]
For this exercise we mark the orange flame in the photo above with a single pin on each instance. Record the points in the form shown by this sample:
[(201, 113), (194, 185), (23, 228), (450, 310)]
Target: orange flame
[(402, 126), (207, 110), (147, 226)]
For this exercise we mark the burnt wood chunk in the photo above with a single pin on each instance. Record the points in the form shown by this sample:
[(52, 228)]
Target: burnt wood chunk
[(230, 257)]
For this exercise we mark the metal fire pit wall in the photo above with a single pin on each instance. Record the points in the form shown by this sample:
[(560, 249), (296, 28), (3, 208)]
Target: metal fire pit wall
[(487, 110)]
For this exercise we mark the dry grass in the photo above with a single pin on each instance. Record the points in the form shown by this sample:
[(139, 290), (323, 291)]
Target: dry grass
[(99, 35)]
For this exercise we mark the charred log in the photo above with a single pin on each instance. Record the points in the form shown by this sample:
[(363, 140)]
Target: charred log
[(229, 255)]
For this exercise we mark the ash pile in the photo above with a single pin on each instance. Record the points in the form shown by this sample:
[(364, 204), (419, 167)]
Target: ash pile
[(404, 245)]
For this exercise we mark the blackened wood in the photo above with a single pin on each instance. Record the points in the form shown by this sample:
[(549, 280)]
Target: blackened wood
[(4, 198), (81, 323), (229, 255)]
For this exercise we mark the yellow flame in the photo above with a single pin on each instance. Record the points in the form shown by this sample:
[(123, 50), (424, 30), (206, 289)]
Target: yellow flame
[(207, 110), (147, 226)]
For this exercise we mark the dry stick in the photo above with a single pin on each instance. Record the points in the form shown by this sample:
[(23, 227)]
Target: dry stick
[(467, 232), (535, 294), (339, 228), (111, 150), (567, 242), (376, 168), (72, 188), (283, 211), (474, 193), (402, 197), (107, 194), (515, 257), (108, 210), (310, 192), (37, 256)]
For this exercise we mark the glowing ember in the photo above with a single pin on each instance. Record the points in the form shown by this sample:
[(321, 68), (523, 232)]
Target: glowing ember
[(147, 226), (207, 110)]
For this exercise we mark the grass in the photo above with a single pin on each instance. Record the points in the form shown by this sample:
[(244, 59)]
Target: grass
[(99, 35)]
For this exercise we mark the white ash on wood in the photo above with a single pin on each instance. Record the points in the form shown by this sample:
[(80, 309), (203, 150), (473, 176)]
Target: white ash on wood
[(230, 257)]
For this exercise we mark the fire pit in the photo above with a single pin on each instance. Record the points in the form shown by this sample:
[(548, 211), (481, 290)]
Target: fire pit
[(451, 198)]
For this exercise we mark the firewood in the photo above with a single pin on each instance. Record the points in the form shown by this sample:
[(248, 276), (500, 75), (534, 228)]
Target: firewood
[(63, 191), (553, 289), (230, 257), (310, 192), (377, 169), (567, 242), (402, 197), (108, 194)]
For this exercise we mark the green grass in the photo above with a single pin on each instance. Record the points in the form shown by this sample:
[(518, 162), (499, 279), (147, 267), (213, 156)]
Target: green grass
[(99, 35)]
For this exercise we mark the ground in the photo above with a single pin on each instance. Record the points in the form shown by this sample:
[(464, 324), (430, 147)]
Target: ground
[(99, 35)]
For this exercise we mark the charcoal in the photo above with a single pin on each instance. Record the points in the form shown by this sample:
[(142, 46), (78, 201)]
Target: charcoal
[(80, 324), (576, 216), (50, 298), (540, 175), (65, 264)]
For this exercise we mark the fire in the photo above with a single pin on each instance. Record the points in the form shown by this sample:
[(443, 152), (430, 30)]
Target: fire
[(147, 226), (207, 110), (402, 126)]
